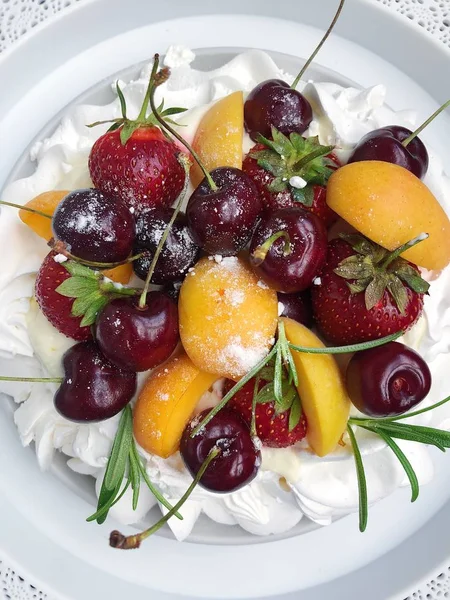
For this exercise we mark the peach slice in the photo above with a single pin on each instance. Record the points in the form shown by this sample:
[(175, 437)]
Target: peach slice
[(321, 389), (218, 139), (166, 403), (121, 274), (391, 206), (46, 203), (227, 317)]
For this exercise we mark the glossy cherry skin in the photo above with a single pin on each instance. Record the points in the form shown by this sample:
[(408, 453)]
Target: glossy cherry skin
[(385, 144), (388, 380), (93, 388), (293, 272), (137, 338), (297, 307), (273, 103), (179, 253), (237, 464), (222, 221), (94, 226)]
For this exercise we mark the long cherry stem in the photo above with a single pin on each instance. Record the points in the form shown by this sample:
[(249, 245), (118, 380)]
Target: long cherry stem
[(33, 379), (321, 43), (26, 208), (60, 248), (118, 540), (419, 130), (185, 163), (176, 135)]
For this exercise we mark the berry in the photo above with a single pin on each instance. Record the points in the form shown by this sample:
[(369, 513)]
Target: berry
[(94, 226), (273, 103), (289, 268), (56, 307), (143, 172), (222, 221), (239, 460), (272, 427), (360, 299), (388, 380), (179, 253), (138, 339), (385, 144), (297, 307), (93, 389)]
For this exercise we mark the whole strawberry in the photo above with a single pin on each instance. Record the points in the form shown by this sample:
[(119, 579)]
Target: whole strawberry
[(292, 172), (278, 425), (365, 292)]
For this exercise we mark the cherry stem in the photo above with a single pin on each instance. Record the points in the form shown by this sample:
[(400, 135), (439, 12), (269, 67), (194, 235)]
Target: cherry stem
[(176, 135), (185, 163), (60, 248), (321, 43), (425, 124), (118, 540), (261, 252), (33, 379), (26, 208), (396, 253)]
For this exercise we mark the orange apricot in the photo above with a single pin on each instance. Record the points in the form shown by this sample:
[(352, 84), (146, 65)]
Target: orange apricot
[(121, 274), (46, 203)]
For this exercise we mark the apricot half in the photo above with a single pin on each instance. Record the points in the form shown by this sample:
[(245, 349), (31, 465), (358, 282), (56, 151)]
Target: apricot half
[(218, 139), (321, 390), (166, 403), (227, 317), (46, 203), (391, 206)]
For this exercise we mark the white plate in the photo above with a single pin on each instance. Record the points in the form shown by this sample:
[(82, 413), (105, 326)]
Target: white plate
[(60, 62)]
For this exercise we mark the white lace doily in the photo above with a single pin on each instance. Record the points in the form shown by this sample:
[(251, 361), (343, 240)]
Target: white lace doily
[(17, 18)]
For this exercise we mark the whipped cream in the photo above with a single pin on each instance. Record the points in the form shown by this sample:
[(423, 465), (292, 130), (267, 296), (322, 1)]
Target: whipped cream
[(292, 482)]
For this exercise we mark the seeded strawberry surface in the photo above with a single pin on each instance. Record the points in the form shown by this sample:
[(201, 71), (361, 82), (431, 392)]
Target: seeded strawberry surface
[(342, 316), (56, 307), (143, 172)]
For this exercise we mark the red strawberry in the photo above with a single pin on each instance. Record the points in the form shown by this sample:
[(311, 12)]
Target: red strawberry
[(361, 297), (58, 308), (272, 171), (144, 171), (271, 428)]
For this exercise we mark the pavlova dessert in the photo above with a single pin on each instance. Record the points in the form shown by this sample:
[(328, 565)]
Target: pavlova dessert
[(206, 285)]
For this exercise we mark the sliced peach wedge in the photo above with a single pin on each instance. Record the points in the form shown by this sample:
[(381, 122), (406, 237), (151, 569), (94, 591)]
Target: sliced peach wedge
[(321, 390), (166, 403), (218, 139)]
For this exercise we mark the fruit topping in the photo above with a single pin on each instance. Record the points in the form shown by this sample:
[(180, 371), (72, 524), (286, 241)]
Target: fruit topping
[(228, 318), (297, 307), (239, 460), (390, 205), (218, 139), (120, 274), (45, 203), (179, 252), (365, 292), (94, 226), (93, 389), (388, 380), (166, 403), (137, 337), (222, 220), (288, 249)]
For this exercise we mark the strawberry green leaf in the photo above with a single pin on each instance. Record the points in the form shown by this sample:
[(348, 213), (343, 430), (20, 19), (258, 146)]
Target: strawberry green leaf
[(375, 290), (92, 311), (81, 305), (175, 110), (127, 130), (398, 292), (412, 278), (123, 104), (295, 414), (76, 287), (78, 270), (265, 394)]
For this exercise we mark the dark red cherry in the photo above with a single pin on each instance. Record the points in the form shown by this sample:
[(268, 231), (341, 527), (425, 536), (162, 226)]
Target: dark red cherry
[(222, 221), (137, 338), (94, 226), (385, 144), (179, 253), (297, 307), (273, 103), (294, 270), (93, 388), (236, 465), (388, 380)]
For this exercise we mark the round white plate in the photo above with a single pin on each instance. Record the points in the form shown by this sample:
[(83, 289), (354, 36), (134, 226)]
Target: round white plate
[(43, 75)]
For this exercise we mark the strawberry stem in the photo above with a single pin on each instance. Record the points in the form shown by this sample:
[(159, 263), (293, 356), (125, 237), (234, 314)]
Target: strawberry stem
[(145, 103), (185, 163), (321, 43), (425, 124), (176, 135), (396, 253), (118, 540), (33, 379), (30, 210), (261, 252)]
